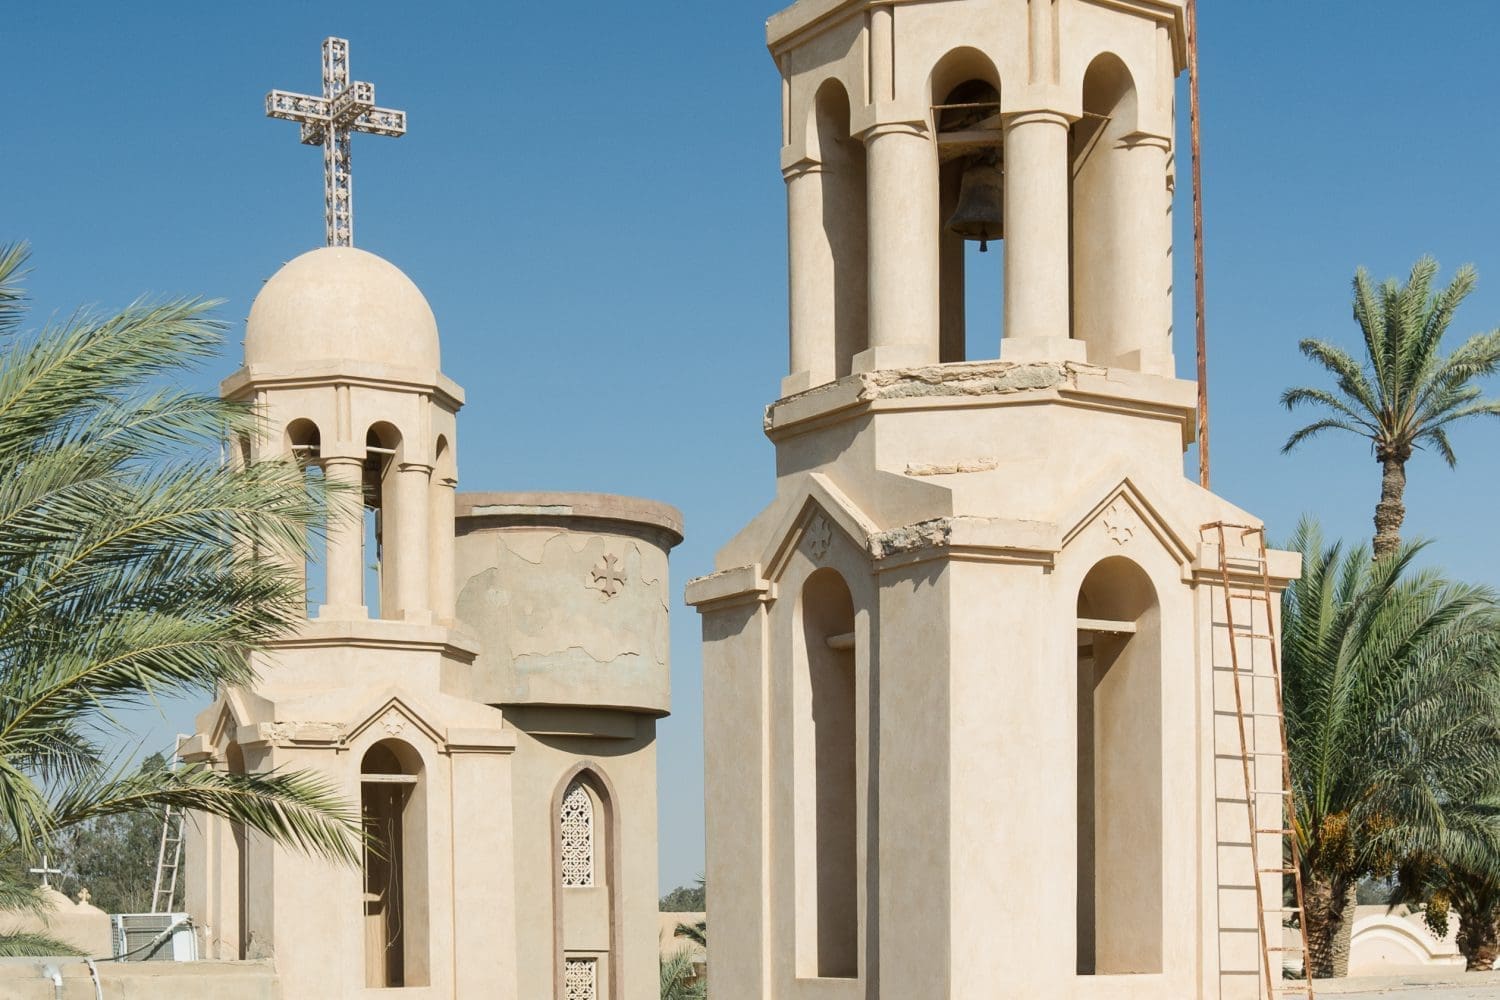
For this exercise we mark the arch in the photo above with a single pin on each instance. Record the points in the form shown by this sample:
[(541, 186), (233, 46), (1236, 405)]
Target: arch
[(393, 809), (1111, 247), (845, 225), (1119, 771), (303, 440), (599, 896), (825, 794), (383, 446), (964, 91), (440, 528)]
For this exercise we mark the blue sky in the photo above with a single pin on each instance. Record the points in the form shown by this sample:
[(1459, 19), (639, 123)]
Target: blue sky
[(590, 198)]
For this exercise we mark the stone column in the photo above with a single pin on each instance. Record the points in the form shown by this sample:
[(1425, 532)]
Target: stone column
[(812, 284), (412, 563), (1143, 312), (1037, 326), (904, 236), (440, 524), (345, 569)]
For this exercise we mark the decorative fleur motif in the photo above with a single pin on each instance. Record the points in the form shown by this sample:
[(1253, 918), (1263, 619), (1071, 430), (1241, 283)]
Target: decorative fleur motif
[(1119, 522), (819, 537), (608, 577), (393, 722)]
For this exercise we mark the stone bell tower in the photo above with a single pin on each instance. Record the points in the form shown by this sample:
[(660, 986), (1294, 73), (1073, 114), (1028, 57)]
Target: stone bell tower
[(967, 721), (342, 361)]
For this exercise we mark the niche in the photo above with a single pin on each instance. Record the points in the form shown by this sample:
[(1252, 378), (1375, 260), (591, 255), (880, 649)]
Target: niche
[(824, 777), (1119, 772), (392, 807)]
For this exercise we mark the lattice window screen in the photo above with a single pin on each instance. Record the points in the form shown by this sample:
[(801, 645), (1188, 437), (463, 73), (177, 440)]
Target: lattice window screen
[(580, 981), (577, 839)]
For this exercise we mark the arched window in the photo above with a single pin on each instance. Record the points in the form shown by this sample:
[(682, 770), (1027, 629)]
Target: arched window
[(382, 445), (576, 840), (1119, 772), (845, 222), (585, 895), (966, 115), (392, 806), (825, 804), (1115, 211), (304, 442)]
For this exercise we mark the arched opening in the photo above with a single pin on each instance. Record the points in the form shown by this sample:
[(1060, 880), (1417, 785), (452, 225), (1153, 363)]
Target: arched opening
[(1119, 772), (1106, 245), (304, 442), (440, 529), (825, 794), (845, 225), (965, 91), (393, 809), (382, 443), (583, 824)]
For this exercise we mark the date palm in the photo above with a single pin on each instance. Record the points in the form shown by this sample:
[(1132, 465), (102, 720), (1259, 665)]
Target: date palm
[(1393, 723), (1403, 393), (133, 567)]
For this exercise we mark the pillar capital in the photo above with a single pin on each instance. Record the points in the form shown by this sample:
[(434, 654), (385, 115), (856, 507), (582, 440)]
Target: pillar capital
[(1039, 116), (807, 166), (339, 458), (423, 467), (917, 128), (1148, 140)]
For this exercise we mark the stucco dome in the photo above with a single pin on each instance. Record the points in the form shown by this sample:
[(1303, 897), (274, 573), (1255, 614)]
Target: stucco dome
[(339, 303)]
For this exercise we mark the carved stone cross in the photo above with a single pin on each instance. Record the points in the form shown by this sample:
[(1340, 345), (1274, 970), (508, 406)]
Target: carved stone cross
[(329, 121)]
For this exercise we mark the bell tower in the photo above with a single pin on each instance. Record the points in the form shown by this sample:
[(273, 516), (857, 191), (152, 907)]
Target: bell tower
[(965, 686)]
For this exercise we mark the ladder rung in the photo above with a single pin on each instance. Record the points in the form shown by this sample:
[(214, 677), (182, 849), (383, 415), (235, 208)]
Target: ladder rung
[(1276, 871), (1253, 635), (1270, 791), (1284, 833), (1285, 947), (1264, 715)]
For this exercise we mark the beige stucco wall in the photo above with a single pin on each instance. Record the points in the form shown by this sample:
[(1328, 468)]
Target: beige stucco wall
[(37, 979)]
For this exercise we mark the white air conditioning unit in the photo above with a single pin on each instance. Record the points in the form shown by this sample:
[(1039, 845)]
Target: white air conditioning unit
[(154, 937)]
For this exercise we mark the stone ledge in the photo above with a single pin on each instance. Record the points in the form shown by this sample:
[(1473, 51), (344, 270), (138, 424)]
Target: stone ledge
[(986, 383), (521, 508)]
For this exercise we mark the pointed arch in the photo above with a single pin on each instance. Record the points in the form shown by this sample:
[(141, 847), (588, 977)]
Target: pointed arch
[(393, 809), (599, 891)]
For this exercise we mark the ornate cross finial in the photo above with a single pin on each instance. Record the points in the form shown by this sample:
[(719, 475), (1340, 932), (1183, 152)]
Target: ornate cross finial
[(344, 108), (45, 871)]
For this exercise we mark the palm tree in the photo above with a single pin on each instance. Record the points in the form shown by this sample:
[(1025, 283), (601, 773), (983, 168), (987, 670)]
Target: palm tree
[(679, 978), (1402, 395), (1393, 717), (1446, 881), (133, 565)]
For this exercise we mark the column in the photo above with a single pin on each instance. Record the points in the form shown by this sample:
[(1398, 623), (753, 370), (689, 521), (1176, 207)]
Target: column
[(346, 539), (440, 545), (1143, 312), (811, 280), (412, 563), (903, 249), (1037, 326)]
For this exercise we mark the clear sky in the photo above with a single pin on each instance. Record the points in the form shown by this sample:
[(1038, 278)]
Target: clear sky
[(590, 198)]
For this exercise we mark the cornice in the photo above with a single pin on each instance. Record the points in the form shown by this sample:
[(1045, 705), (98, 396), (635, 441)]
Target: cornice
[(246, 381)]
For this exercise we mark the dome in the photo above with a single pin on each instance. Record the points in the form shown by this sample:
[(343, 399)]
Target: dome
[(341, 304)]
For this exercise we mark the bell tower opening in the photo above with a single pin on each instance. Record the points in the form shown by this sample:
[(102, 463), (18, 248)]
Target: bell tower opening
[(382, 443), (304, 442), (971, 192), (845, 223)]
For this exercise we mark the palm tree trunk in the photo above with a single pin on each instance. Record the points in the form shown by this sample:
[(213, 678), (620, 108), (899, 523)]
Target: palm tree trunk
[(1390, 511), (1479, 940), (1329, 915)]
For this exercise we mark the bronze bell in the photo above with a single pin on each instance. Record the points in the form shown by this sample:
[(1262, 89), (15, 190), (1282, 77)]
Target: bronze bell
[(981, 204)]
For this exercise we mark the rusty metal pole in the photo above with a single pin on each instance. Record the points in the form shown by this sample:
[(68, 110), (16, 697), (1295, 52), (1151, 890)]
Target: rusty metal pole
[(1192, 20)]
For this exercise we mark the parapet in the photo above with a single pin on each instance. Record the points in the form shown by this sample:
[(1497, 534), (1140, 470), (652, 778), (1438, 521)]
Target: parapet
[(568, 595)]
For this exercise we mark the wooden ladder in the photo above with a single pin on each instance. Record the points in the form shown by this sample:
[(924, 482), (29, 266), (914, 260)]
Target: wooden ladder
[(168, 861), (1270, 918)]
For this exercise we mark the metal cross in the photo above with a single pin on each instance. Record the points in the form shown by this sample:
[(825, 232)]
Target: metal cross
[(45, 871), (330, 120)]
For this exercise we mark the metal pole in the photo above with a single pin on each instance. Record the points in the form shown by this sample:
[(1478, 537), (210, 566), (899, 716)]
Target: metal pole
[(1203, 477)]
